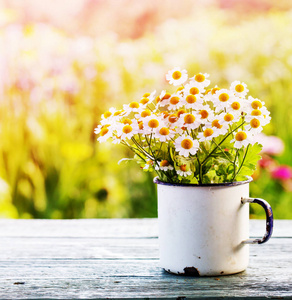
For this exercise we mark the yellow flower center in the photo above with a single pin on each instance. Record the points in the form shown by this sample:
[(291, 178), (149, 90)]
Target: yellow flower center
[(153, 123), (194, 90), (144, 100), (200, 77), (223, 97), (149, 162), (214, 90), (208, 91), (187, 144), (180, 112), (118, 113), (146, 95), (127, 121), (216, 124), (172, 118), (157, 99), (165, 114), (141, 125), (208, 132), (204, 114), (256, 112), (240, 136), (235, 105), (255, 123), (174, 100), (145, 113), (256, 104), (107, 114), (239, 88), (183, 168), (164, 131), (228, 117), (104, 131), (164, 163), (134, 104), (176, 75), (189, 119), (179, 89), (127, 129), (166, 96), (191, 99)]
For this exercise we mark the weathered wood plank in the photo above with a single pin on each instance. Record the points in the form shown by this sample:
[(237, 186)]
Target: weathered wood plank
[(87, 248), (97, 259), (110, 228), (117, 279)]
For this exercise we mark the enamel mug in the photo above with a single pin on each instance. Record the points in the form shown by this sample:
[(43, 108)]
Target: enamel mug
[(204, 229)]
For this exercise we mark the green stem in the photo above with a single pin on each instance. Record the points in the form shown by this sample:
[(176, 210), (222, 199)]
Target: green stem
[(222, 151), (221, 143), (234, 165), (133, 149), (241, 162), (141, 149), (200, 170)]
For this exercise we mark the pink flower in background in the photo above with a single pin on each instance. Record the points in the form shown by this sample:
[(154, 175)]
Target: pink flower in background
[(272, 145), (282, 173), (266, 162)]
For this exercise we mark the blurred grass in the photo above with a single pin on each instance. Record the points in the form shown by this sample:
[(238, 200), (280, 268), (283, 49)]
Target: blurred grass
[(54, 90)]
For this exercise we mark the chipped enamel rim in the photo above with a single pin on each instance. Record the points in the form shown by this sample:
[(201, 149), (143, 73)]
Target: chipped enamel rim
[(234, 183)]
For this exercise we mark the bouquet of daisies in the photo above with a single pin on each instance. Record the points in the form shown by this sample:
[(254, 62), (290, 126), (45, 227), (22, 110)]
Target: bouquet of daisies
[(193, 134)]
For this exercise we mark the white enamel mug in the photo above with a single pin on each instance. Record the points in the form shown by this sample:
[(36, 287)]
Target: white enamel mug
[(204, 229)]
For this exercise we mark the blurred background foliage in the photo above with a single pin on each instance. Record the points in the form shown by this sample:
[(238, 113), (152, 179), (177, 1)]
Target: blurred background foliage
[(63, 63)]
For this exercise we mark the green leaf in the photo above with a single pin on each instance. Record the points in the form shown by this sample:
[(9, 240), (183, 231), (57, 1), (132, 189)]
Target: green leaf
[(247, 161)]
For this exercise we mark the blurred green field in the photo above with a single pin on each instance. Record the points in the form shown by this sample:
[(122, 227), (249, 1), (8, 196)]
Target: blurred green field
[(54, 89)]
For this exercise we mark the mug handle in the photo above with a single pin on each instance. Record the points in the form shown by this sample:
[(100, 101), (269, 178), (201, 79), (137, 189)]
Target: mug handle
[(269, 220)]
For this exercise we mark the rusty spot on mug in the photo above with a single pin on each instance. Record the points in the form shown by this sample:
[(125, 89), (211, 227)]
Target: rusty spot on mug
[(191, 271)]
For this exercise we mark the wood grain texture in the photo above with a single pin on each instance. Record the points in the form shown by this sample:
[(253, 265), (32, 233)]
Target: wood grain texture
[(97, 259)]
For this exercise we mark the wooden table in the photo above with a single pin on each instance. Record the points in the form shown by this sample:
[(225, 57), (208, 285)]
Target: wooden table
[(118, 258)]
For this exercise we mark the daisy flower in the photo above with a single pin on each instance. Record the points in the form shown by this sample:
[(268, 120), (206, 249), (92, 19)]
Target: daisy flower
[(175, 102), (192, 101), (236, 105), (105, 133), (186, 145), (112, 115), (149, 164), (189, 121), (255, 125), (164, 165), (163, 99), (164, 134), (218, 125), (208, 134), (182, 171), (172, 121), (222, 98), (254, 103), (263, 114), (242, 139), (152, 123), (202, 79), (194, 88), (126, 130), (176, 76), (205, 113), (148, 98), (133, 107), (230, 118), (143, 114), (239, 88)]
